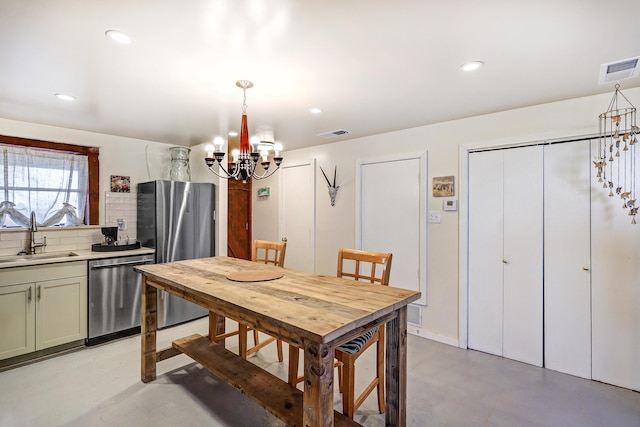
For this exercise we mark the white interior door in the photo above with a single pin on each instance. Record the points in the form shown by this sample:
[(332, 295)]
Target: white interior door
[(567, 251), (297, 221), (485, 251), (523, 255), (392, 218)]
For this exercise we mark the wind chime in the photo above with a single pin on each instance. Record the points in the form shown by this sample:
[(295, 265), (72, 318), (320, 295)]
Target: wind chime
[(616, 159)]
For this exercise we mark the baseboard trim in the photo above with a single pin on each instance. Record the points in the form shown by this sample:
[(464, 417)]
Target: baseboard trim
[(432, 336)]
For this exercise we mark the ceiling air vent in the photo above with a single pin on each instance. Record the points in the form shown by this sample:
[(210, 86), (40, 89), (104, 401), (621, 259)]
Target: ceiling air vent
[(619, 70), (333, 133)]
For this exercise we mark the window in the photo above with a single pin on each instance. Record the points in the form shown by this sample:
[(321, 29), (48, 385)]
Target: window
[(56, 181)]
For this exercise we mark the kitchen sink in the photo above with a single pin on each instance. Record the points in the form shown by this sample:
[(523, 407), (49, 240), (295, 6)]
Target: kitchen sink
[(36, 257)]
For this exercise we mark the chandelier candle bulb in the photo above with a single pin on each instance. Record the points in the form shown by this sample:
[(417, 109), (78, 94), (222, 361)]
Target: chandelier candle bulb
[(209, 149)]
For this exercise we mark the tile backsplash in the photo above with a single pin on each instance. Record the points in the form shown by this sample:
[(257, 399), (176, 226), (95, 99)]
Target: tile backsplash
[(59, 239), (121, 207), (118, 206)]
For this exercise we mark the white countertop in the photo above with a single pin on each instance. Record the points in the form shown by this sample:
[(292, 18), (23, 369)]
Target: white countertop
[(57, 257)]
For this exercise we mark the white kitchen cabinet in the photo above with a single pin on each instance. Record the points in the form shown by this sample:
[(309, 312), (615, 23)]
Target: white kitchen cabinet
[(506, 253), (42, 306)]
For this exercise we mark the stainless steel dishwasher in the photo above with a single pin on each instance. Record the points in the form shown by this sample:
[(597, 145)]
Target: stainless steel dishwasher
[(114, 297)]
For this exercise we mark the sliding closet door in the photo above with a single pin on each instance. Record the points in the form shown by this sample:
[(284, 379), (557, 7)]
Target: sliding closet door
[(485, 251), (523, 254), (615, 290), (505, 253), (567, 275)]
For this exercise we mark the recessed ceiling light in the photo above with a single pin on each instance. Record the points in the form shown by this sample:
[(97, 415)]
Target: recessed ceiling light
[(233, 133), (471, 66), (315, 110), (118, 37), (65, 97)]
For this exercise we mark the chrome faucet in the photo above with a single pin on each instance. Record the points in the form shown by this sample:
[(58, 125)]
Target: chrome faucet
[(32, 236)]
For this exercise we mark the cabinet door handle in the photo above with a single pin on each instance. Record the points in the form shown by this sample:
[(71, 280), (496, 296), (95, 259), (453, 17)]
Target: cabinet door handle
[(39, 294), (504, 261), (29, 295), (585, 268)]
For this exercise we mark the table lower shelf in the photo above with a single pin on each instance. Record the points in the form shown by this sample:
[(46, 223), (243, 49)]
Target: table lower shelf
[(269, 391)]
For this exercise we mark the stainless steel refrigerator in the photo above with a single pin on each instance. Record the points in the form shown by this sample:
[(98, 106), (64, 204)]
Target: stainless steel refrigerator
[(176, 219)]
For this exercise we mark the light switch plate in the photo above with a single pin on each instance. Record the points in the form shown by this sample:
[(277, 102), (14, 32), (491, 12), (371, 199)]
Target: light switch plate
[(435, 216)]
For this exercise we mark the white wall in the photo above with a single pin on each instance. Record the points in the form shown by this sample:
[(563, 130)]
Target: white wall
[(446, 144)]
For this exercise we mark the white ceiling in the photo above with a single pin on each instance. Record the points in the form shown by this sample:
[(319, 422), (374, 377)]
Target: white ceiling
[(373, 66)]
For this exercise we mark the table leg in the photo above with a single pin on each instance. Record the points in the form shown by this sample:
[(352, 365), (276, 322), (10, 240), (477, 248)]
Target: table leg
[(396, 370), (294, 356), (318, 385), (148, 328), (242, 340), (217, 326)]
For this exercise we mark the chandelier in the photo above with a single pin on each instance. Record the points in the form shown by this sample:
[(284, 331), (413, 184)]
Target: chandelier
[(245, 160), (616, 159)]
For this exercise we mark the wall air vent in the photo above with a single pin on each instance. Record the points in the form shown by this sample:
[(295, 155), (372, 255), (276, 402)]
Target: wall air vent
[(619, 70), (333, 133), (414, 314)]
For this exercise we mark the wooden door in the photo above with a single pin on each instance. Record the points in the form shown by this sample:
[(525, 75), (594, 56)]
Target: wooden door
[(485, 251), (297, 221), (523, 255), (239, 219), (567, 251)]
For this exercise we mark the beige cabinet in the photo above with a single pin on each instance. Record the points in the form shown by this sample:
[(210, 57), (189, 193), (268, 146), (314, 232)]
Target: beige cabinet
[(17, 320), (42, 306)]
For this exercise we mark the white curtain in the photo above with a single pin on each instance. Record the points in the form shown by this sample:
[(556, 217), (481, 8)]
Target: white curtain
[(52, 184)]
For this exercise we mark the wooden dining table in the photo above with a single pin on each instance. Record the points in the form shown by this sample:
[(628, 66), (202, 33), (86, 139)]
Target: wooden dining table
[(309, 311)]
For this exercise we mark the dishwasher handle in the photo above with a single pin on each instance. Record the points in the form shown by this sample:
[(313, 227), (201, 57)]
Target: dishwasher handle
[(120, 264)]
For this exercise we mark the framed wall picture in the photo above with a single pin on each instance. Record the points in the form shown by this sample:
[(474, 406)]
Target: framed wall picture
[(120, 184), (443, 186)]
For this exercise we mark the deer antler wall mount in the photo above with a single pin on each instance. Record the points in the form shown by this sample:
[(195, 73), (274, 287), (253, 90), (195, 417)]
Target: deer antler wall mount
[(333, 189)]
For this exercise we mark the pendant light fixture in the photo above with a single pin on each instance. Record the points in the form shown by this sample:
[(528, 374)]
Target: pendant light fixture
[(244, 161)]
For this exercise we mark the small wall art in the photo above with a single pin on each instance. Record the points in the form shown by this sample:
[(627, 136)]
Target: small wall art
[(443, 186), (120, 184)]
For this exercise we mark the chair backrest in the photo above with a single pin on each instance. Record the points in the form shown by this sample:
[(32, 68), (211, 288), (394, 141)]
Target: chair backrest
[(379, 262), (269, 252)]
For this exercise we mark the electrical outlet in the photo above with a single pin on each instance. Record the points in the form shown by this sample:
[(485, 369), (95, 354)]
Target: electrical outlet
[(435, 216)]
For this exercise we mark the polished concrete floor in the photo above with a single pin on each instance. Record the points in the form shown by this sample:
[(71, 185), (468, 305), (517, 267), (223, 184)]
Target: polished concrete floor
[(447, 386)]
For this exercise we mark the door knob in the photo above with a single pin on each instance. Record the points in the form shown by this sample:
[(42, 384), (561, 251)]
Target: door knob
[(284, 239)]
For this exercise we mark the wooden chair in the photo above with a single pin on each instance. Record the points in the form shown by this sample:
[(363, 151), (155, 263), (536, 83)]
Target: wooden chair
[(266, 252), (353, 264)]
